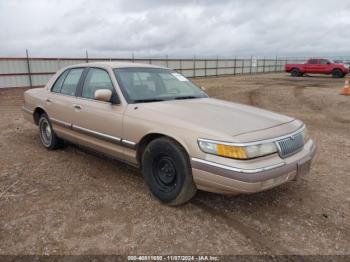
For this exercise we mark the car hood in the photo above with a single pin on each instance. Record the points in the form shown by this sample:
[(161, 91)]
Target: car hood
[(212, 114)]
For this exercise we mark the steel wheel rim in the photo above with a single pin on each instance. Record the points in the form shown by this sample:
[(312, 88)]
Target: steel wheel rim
[(164, 172)]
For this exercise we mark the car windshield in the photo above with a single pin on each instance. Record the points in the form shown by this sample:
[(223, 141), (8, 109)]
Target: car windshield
[(140, 85)]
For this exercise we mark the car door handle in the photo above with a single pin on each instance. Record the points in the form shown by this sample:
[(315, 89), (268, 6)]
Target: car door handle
[(78, 107), (48, 100)]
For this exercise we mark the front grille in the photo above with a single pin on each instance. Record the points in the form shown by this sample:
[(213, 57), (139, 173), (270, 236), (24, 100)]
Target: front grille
[(290, 145)]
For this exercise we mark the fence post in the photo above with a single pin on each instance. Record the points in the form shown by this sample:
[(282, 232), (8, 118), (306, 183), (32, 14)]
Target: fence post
[(58, 64), (286, 62), (132, 57), (234, 66), (87, 56), (251, 64), (243, 62), (205, 67), (180, 66), (166, 61), (194, 66), (217, 64), (276, 65), (264, 65), (29, 73)]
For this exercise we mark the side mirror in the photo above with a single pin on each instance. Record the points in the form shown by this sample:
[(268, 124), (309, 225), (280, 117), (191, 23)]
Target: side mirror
[(203, 88), (103, 95), (328, 63)]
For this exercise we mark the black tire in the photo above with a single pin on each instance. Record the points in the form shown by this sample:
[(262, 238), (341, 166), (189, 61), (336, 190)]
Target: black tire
[(48, 137), (295, 72), (167, 172), (337, 73)]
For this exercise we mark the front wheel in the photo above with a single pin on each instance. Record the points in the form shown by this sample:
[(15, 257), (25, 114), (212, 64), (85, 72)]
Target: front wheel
[(47, 136), (337, 73), (167, 172)]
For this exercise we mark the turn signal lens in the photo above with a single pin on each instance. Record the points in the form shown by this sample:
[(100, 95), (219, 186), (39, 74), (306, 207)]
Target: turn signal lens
[(231, 151)]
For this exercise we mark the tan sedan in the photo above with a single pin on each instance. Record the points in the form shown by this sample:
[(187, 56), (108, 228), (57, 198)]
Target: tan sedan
[(182, 140)]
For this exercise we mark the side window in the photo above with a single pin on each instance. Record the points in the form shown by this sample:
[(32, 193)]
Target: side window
[(70, 83), (96, 79), (313, 61), (58, 84), (323, 62)]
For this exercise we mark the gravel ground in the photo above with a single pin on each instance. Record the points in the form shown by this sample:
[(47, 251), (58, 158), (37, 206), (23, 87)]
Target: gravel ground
[(72, 201)]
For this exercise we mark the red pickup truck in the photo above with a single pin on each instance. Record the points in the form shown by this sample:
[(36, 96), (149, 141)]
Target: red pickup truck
[(318, 66)]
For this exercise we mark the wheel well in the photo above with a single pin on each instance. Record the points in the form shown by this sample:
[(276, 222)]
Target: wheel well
[(341, 73), (37, 113), (148, 139)]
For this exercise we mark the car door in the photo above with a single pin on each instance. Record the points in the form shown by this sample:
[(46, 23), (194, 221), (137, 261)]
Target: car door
[(99, 123), (324, 66), (311, 66), (60, 101)]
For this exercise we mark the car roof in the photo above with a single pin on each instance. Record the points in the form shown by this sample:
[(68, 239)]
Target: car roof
[(112, 65)]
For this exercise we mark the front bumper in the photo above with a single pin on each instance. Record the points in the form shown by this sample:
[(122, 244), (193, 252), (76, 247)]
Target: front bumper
[(219, 178)]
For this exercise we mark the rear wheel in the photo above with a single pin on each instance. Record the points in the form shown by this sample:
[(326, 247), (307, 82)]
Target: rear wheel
[(295, 72), (337, 73), (167, 172), (47, 136)]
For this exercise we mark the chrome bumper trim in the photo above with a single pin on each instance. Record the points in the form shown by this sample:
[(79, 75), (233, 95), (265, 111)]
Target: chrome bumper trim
[(241, 170)]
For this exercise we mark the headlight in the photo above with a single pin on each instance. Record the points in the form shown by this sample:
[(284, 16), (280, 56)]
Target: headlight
[(237, 152)]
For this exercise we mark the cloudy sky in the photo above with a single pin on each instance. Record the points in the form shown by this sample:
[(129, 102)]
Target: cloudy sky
[(155, 28)]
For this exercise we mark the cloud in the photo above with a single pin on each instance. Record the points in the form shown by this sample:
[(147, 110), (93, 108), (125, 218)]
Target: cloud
[(157, 28)]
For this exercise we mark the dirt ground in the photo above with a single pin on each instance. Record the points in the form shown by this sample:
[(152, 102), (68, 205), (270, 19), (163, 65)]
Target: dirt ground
[(71, 201)]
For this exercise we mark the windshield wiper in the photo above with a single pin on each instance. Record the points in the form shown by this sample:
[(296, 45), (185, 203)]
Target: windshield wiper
[(185, 97), (148, 100)]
